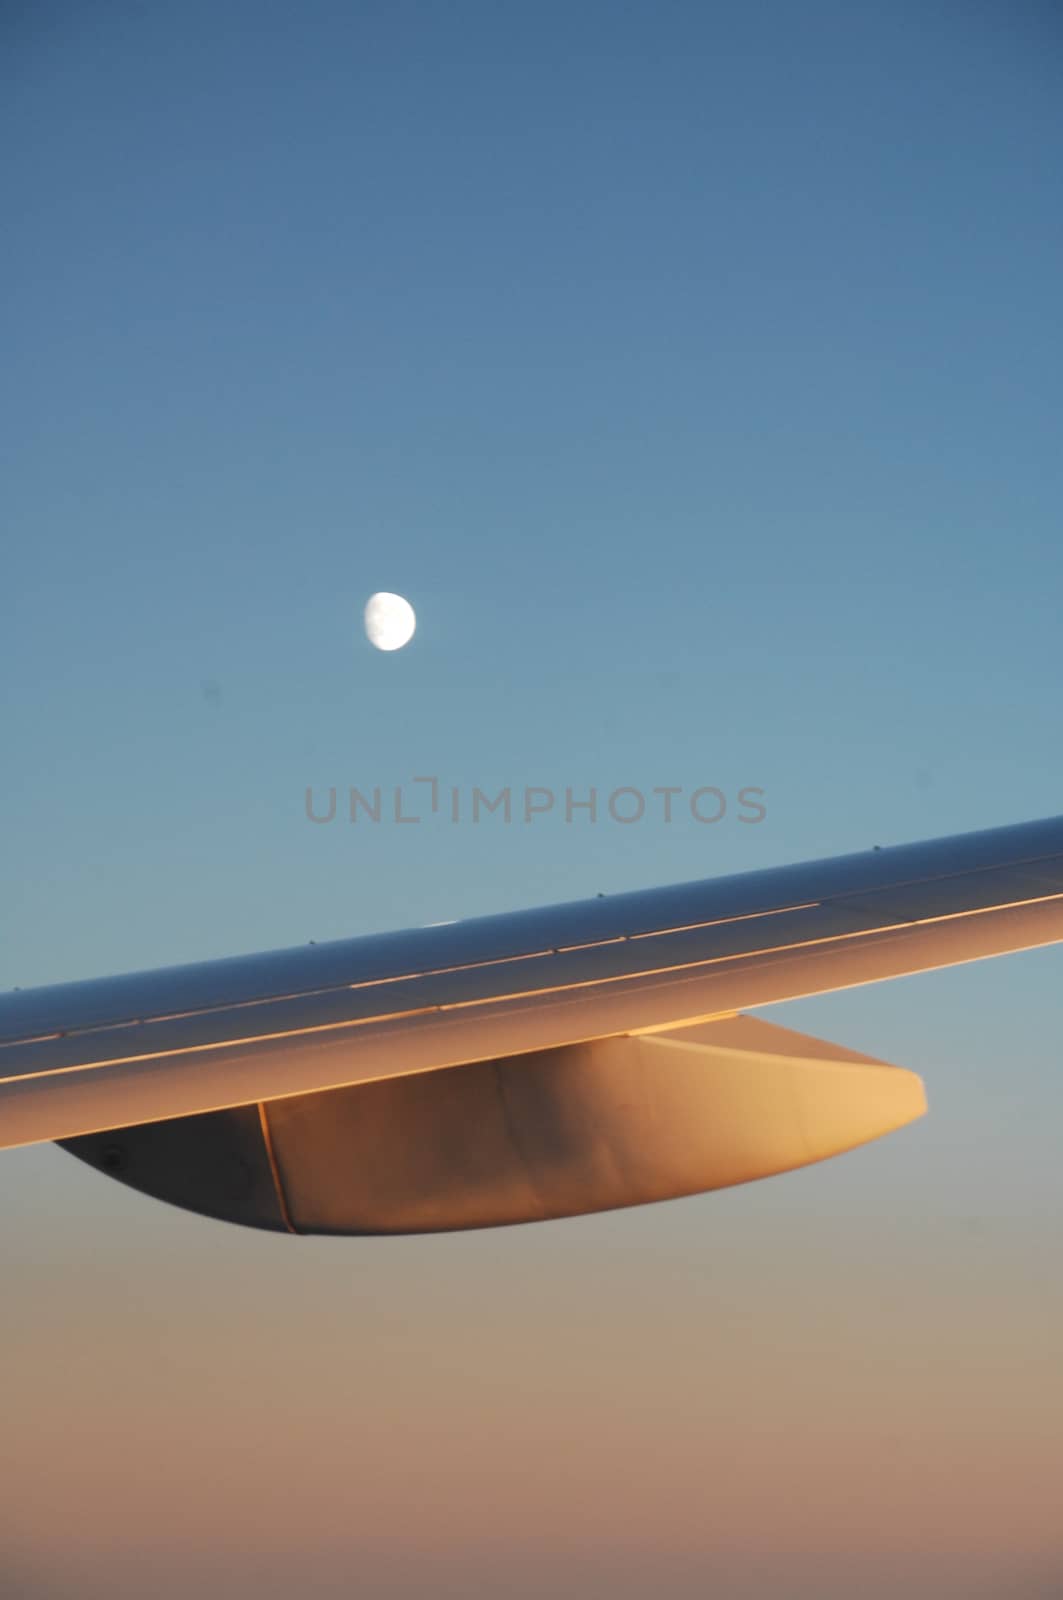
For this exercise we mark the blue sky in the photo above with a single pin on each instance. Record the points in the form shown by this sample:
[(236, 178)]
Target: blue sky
[(695, 370)]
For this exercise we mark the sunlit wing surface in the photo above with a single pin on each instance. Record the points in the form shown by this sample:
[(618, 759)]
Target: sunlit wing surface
[(554, 1133), (545, 1093)]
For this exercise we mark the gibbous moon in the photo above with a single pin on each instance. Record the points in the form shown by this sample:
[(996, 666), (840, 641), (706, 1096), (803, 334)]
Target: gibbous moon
[(389, 621)]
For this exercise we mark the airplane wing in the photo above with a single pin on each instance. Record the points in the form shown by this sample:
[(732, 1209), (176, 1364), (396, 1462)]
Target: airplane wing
[(540, 1063)]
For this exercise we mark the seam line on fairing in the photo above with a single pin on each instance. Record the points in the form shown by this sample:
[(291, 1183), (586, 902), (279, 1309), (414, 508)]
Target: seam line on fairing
[(275, 1172)]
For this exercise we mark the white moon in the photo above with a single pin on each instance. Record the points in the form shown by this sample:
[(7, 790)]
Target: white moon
[(389, 621)]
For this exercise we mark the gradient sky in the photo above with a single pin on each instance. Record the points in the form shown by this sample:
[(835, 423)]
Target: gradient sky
[(695, 369)]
